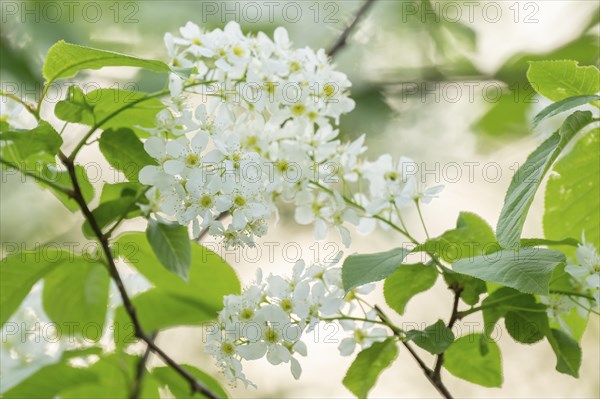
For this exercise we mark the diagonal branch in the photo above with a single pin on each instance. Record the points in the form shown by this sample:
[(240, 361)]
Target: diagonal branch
[(454, 317), (430, 374), (343, 38), (141, 371), (77, 195)]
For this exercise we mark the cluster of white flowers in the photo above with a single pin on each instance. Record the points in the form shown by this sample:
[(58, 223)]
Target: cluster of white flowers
[(266, 129), (271, 315), (585, 276)]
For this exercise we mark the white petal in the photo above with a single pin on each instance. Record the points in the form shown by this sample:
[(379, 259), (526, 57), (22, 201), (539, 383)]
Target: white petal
[(295, 368), (252, 351), (347, 346), (173, 167)]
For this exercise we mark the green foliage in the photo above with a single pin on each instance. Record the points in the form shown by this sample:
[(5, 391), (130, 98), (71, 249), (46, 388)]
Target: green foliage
[(471, 237), (558, 80), (125, 152), (174, 301), (62, 178), (498, 303), (435, 338), (463, 359), (364, 269), (19, 272), (117, 201), (116, 375), (42, 138), (562, 106), (470, 287), (367, 366), (527, 270), (64, 60), (568, 353), (528, 325), (76, 297), (529, 176), (406, 282), (50, 381), (572, 203), (109, 108), (171, 244), (179, 387)]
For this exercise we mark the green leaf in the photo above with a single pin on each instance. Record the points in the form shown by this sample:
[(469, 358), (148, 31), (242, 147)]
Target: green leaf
[(125, 152), (507, 116), (369, 363), (558, 80), (171, 244), (435, 339), (109, 108), (205, 266), (527, 270), (406, 282), (64, 60), (50, 381), (179, 387), (562, 106), (364, 269), (534, 242), (76, 297), (159, 309), (174, 301), (115, 375), (19, 272), (572, 203), (568, 353), (470, 287), (498, 303), (529, 176), (108, 212), (463, 359), (527, 325), (42, 138), (471, 237), (111, 192)]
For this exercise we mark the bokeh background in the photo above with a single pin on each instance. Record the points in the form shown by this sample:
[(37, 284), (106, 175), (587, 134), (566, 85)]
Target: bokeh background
[(442, 82)]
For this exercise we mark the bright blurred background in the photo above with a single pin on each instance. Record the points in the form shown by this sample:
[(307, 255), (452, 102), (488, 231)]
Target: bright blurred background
[(442, 82)]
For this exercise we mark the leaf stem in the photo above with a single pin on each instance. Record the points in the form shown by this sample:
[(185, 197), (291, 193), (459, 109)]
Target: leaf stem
[(29, 107)]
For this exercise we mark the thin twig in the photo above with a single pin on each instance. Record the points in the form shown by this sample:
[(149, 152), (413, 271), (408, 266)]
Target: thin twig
[(141, 370), (454, 317), (77, 195), (205, 230), (437, 383), (343, 38)]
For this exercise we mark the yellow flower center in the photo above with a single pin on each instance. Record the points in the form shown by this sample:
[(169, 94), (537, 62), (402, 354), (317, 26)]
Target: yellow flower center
[(298, 109)]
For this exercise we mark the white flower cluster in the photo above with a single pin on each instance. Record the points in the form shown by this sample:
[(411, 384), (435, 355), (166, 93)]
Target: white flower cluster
[(271, 315), (585, 275), (266, 130)]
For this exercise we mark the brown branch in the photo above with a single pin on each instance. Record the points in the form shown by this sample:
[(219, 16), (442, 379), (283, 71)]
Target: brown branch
[(343, 38), (454, 317), (77, 195), (436, 382), (141, 371), (204, 231)]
